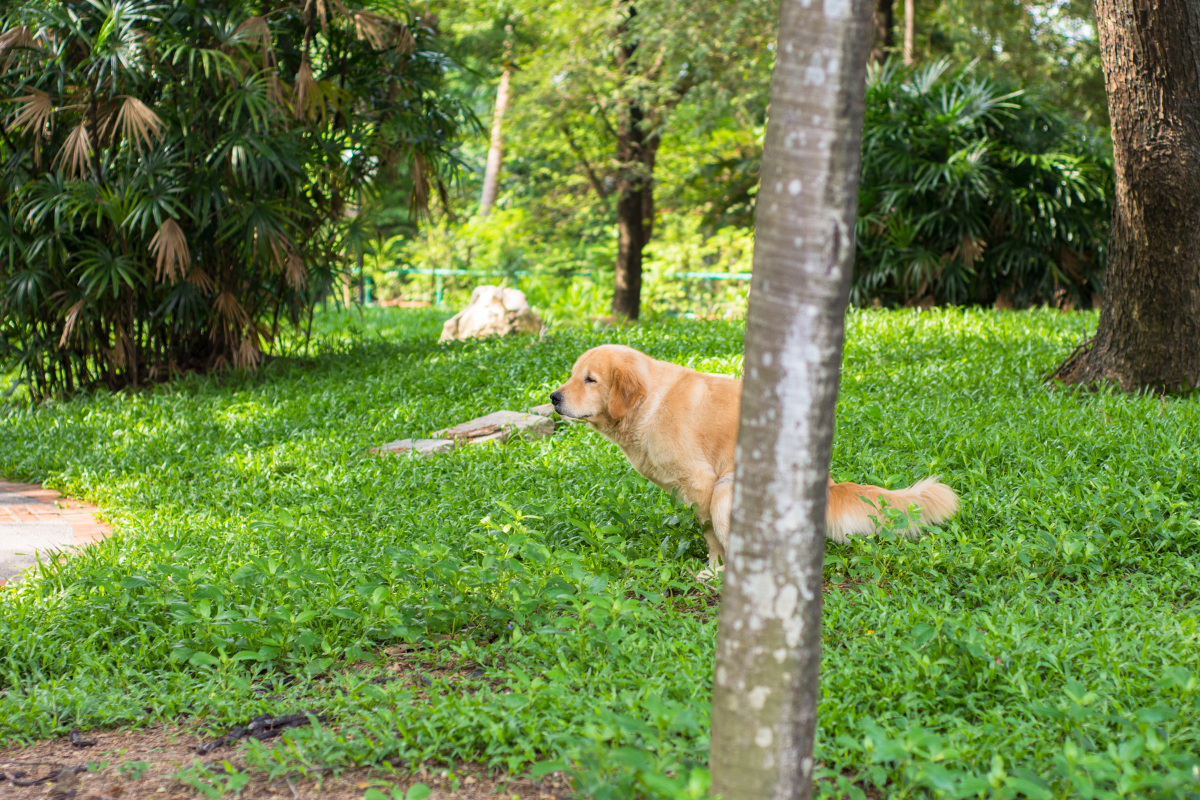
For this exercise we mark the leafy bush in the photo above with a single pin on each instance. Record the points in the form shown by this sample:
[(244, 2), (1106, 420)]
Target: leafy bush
[(972, 193), (179, 179)]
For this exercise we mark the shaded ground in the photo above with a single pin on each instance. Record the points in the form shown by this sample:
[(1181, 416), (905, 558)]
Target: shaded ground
[(143, 763)]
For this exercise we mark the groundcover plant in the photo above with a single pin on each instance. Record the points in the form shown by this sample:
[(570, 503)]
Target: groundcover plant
[(1043, 644)]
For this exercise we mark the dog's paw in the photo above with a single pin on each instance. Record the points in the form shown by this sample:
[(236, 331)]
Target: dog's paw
[(710, 573)]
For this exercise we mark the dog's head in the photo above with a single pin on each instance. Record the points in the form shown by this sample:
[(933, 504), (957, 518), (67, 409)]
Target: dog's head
[(606, 383)]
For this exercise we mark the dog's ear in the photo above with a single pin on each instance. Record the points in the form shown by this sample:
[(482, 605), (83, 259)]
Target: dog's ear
[(626, 388)]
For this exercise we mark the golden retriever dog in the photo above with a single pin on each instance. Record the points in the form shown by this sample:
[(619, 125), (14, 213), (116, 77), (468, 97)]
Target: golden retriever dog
[(679, 428)]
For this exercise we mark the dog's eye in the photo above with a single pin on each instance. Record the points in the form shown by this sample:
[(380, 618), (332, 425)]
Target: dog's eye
[(589, 379)]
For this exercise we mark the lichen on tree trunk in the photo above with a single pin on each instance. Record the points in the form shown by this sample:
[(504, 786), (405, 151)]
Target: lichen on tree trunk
[(765, 688), (1148, 336)]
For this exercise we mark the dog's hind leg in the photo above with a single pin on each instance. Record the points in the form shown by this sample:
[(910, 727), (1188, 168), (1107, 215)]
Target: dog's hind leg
[(716, 530), (721, 509)]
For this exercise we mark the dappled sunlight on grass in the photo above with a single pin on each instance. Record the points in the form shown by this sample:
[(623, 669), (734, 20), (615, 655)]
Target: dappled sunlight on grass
[(256, 537)]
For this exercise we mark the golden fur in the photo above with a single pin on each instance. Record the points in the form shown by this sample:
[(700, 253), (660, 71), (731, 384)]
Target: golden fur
[(679, 427)]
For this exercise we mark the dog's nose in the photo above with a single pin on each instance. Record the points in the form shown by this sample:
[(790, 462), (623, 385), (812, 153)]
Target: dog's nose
[(556, 397)]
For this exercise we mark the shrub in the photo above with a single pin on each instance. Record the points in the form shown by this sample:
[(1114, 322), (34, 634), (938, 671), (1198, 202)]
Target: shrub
[(972, 193), (180, 178)]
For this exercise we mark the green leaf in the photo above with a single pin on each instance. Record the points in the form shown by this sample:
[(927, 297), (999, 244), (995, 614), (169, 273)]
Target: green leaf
[(418, 791), (202, 659)]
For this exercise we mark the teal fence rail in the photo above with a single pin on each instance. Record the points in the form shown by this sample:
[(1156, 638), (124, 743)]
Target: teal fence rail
[(440, 274)]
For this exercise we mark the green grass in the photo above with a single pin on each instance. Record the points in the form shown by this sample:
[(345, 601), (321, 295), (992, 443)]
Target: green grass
[(1043, 643)]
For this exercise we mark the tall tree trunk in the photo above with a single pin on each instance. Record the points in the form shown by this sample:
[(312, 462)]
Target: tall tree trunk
[(1149, 330), (631, 217), (635, 159), (635, 210), (491, 175), (884, 39), (910, 13), (765, 687)]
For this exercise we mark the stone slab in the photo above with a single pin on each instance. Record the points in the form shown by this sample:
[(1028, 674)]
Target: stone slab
[(547, 410), (499, 426), (417, 447), (19, 541)]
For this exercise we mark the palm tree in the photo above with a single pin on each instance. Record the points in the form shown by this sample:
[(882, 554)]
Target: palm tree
[(177, 175), (974, 193)]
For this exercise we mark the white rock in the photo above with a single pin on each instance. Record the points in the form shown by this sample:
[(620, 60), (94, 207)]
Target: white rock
[(493, 311)]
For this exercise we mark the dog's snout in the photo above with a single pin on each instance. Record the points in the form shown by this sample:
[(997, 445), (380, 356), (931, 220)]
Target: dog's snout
[(556, 397)]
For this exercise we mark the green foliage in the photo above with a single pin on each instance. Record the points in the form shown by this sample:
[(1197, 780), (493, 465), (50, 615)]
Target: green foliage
[(974, 194), (1042, 642), (1045, 46), (569, 283), (180, 178)]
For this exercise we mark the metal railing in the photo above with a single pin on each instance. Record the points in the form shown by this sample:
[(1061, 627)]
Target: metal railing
[(440, 274)]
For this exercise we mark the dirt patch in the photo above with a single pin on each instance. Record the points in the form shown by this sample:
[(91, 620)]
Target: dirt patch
[(142, 764)]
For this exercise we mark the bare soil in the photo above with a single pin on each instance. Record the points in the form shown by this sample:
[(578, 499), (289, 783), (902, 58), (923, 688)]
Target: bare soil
[(141, 764)]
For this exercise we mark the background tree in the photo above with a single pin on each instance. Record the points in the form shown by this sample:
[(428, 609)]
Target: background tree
[(178, 179), (495, 157), (555, 218), (765, 689), (1149, 330), (609, 106), (884, 36)]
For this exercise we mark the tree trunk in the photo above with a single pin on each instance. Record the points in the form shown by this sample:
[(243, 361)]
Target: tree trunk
[(635, 198), (1149, 330), (765, 688), (491, 175), (884, 39), (909, 29), (631, 219)]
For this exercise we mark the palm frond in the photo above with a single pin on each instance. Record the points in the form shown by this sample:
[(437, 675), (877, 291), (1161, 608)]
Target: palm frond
[(372, 27), (69, 323), (248, 354), (255, 31), (13, 40), (323, 8), (230, 310), (308, 93), (296, 274), (170, 248), (199, 278), (138, 123), (34, 114), (75, 152)]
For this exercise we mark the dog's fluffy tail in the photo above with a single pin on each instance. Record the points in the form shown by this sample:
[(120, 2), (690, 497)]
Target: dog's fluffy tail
[(846, 513)]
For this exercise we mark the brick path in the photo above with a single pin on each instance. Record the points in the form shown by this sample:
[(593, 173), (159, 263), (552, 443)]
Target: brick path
[(33, 519)]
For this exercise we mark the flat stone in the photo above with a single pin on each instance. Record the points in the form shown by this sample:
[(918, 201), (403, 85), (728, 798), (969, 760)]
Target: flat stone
[(13, 499), (19, 541), (418, 447), (500, 426)]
